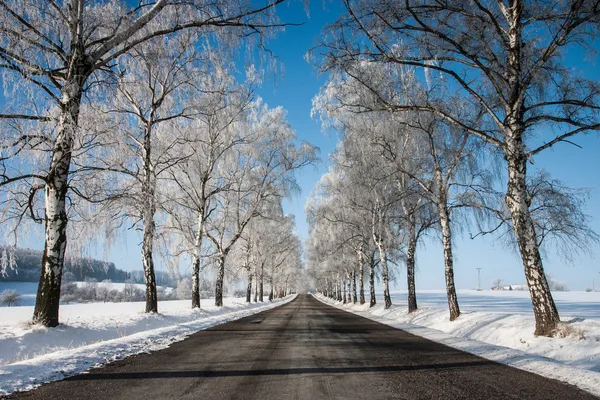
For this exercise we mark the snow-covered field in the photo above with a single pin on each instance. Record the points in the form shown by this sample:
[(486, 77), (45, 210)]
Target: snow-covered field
[(28, 290), (499, 326), (96, 333)]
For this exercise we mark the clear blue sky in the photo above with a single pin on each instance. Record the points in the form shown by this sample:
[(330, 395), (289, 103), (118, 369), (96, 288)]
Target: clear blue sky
[(294, 91)]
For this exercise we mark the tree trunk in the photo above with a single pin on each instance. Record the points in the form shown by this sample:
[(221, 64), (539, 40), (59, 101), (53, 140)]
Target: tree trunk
[(196, 262), (271, 290), (373, 299), (149, 209), (344, 285), (410, 267), (219, 281), (361, 277), (256, 286), (262, 272), (385, 276), (544, 309), (249, 289), (448, 261), (148, 261), (354, 297), (55, 193)]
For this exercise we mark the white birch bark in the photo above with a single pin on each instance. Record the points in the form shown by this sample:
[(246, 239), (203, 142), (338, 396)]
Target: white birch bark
[(378, 239), (48, 294), (149, 230), (410, 265), (372, 298), (220, 280), (261, 288), (196, 260), (544, 309), (361, 277), (354, 299)]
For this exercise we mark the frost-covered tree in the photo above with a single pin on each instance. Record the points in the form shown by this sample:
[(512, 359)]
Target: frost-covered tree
[(51, 55), (212, 135), (506, 59), (10, 297), (262, 170), (155, 91)]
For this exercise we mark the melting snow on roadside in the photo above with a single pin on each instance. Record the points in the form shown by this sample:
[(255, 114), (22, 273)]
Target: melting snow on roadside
[(505, 334), (97, 333)]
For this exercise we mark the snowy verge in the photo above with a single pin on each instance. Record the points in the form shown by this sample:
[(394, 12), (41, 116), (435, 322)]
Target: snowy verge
[(434, 324), (118, 330)]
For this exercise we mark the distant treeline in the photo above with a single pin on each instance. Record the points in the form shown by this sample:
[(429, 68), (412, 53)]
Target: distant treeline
[(76, 269)]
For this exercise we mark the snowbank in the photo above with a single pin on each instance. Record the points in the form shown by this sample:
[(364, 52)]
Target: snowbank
[(501, 336), (96, 333)]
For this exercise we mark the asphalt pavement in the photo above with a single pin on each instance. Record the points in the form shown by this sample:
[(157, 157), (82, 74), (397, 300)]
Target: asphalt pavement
[(305, 350)]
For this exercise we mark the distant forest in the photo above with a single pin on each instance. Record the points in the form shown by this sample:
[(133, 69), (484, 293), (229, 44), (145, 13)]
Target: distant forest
[(76, 269)]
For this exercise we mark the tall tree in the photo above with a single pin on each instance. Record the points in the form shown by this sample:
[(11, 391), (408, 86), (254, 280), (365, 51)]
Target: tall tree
[(263, 171), (151, 96), (505, 58), (211, 136), (54, 49)]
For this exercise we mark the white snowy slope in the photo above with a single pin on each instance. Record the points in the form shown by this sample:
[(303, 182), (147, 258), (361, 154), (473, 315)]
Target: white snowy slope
[(93, 334), (499, 326)]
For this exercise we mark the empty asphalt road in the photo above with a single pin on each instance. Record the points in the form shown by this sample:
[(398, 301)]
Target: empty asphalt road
[(305, 350)]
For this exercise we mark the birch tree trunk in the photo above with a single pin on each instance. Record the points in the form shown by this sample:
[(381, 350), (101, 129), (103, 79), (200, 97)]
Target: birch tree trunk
[(372, 299), (354, 299), (271, 290), (361, 277), (249, 289), (448, 261), (344, 284), (148, 261), (262, 274), (544, 309), (256, 286), (196, 261), (148, 212), (219, 282), (48, 293), (410, 266), (385, 281)]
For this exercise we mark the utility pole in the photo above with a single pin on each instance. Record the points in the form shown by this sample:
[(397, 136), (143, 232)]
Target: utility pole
[(479, 279)]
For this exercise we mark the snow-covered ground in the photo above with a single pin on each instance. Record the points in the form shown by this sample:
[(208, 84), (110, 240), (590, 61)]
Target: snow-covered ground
[(96, 333), (499, 326)]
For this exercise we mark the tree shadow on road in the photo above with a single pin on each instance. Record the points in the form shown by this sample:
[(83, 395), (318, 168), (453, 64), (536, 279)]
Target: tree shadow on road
[(267, 372)]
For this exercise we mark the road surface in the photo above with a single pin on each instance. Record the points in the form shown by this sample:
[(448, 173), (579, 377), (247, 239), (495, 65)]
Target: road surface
[(305, 350)]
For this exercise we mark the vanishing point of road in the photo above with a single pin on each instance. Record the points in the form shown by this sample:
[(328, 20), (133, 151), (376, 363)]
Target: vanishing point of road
[(305, 350)]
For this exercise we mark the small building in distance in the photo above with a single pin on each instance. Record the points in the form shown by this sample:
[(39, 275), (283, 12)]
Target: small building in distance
[(510, 287)]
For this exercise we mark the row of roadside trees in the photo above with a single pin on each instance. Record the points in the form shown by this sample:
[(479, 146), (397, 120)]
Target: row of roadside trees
[(121, 116), (441, 106)]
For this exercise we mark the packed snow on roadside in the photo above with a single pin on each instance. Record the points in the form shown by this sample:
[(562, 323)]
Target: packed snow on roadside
[(499, 326), (93, 334)]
